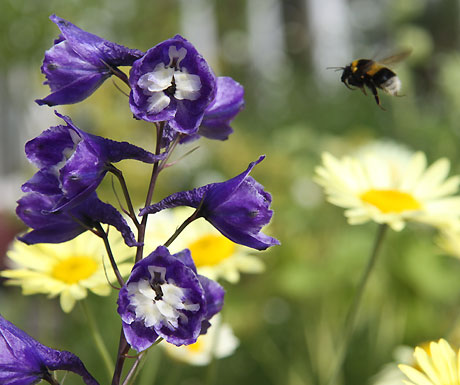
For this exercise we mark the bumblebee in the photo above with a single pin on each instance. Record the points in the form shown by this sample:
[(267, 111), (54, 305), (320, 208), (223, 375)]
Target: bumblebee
[(373, 75)]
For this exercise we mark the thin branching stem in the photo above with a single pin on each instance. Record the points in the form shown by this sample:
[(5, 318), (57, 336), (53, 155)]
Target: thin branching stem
[(123, 348), (99, 341), (155, 171), (49, 378), (354, 308), (119, 174), (105, 238), (190, 219)]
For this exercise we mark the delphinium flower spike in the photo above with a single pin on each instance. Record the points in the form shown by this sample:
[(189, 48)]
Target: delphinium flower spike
[(25, 361)]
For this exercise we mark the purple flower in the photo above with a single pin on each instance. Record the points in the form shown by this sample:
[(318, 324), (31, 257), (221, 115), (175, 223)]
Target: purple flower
[(229, 100), (79, 62), (238, 208), (164, 297), (78, 159), (173, 83), (25, 361), (35, 210)]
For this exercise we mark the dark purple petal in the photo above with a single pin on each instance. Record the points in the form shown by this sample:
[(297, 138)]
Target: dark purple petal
[(223, 191), (79, 62), (184, 113), (238, 208), (167, 281), (138, 336), (47, 149), (99, 211), (48, 226), (228, 102), (191, 198), (24, 361), (43, 182), (92, 48), (214, 294)]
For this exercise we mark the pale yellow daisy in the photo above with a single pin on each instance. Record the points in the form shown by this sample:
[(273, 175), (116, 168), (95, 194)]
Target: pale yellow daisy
[(218, 342), (437, 365), (215, 256), (392, 192), (67, 269), (449, 242)]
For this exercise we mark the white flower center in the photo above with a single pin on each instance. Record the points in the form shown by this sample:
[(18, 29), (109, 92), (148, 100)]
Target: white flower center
[(166, 81), (158, 302)]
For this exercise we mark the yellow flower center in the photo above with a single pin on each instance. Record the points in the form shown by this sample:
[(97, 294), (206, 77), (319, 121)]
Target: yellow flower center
[(196, 347), (391, 201), (74, 269), (211, 249)]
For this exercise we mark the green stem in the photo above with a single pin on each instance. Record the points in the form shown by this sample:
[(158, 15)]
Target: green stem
[(119, 174), (155, 171), (353, 310), (50, 379), (100, 345), (105, 238)]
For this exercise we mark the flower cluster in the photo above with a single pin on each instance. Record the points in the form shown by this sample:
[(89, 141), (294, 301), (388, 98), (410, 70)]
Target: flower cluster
[(164, 298)]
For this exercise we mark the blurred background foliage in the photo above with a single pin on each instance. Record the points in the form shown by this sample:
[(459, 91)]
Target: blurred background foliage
[(289, 318)]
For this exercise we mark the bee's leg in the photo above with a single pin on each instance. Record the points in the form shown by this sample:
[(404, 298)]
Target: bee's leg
[(373, 88), (364, 90), (348, 86)]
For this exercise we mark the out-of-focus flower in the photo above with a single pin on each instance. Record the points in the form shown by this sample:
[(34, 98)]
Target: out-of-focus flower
[(173, 83), (215, 256), (449, 241), (68, 269), (79, 62), (238, 208), (79, 161), (390, 373), (373, 189), (164, 297), (218, 342), (25, 361), (438, 365), (36, 211)]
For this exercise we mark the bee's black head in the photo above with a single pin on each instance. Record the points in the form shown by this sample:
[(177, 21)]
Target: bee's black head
[(346, 74)]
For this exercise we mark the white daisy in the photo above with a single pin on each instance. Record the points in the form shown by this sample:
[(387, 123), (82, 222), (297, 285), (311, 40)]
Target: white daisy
[(218, 342), (376, 188), (437, 365), (215, 256), (67, 269)]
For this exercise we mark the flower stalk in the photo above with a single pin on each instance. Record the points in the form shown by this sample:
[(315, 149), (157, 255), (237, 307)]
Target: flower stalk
[(354, 308)]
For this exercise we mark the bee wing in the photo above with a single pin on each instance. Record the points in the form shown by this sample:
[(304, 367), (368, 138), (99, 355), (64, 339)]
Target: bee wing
[(396, 58)]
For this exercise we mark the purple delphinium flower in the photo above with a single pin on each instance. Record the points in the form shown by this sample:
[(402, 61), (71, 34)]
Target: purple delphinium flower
[(78, 159), (25, 361), (238, 208), (164, 297), (35, 210), (79, 62), (172, 82), (229, 100)]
